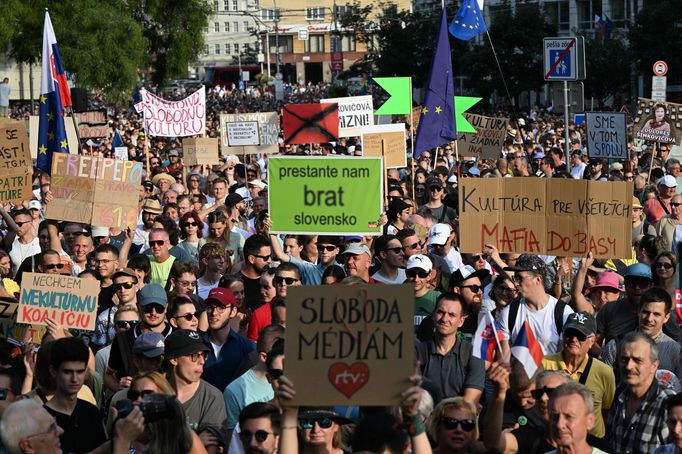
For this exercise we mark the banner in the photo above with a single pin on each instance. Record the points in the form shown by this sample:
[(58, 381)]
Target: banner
[(355, 113), (69, 301), (566, 218), (92, 124), (391, 138), (326, 195), (268, 126), (96, 191), (607, 135), (658, 121), (202, 150), (183, 118), (16, 166), (310, 123), (121, 153), (488, 141), (242, 133), (350, 345)]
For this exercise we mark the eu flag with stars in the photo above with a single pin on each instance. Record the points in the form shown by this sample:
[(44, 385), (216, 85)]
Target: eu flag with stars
[(468, 22), (54, 96), (437, 120)]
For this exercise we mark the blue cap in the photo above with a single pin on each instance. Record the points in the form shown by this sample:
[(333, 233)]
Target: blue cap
[(639, 270), (152, 294), (355, 238), (474, 171), (150, 344), (538, 155)]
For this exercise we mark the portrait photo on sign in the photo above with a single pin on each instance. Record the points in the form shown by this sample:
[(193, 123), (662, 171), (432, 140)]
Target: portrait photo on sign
[(658, 121)]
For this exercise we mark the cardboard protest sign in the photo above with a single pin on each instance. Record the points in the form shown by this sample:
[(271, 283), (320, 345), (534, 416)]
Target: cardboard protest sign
[(202, 150), (70, 301), (488, 141), (71, 137), (310, 123), (268, 127), (607, 135), (330, 195), (658, 121), (183, 118), (92, 124), (546, 216), (8, 315), (16, 172), (121, 153), (391, 138), (355, 113), (350, 345), (97, 191), (242, 133)]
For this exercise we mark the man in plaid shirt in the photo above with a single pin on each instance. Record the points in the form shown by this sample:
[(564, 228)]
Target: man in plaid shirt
[(637, 418)]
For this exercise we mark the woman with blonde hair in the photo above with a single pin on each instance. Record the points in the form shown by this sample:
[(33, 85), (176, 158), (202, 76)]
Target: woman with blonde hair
[(453, 424)]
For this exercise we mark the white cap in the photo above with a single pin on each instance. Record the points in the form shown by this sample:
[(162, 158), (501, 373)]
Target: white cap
[(452, 179), (100, 231), (439, 234), (419, 261), (257, 183), (34, 205), (668, 181)]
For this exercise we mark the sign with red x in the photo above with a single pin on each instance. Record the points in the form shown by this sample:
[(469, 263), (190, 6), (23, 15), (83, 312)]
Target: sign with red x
[(311, 123)]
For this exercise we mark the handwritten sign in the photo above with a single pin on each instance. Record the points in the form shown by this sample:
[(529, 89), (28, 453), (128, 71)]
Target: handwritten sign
[(607, 135), (121, 153), (546, 216), (242, 133), (355, 113), (202, 150), (390, 138), (350, 345), (658, 121), (488, 141), (16, 174), (68, 300), (92, 124), (183, 118), (330, 195), (96, 191), (268, 127)]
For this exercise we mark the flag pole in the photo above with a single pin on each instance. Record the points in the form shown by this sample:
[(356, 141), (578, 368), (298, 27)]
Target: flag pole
[(504, 81), (75, 128)]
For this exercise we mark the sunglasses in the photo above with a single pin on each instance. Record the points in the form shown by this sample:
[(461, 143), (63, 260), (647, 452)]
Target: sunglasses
[(263, 257), (189, 316), (415, 273), (246, 435), (435, 189), (191, 224), (134, 395), (308, 424), (537, 393), (467, 425), (675, 204), (667, 266), (474, 287), (395, 250), (157, 243), (149, 308), (281, 279), (88, 234), (323, 247), (411, 247), (126, 324), (125, 285), (275, 373), (53, 266), (20, 223), (575, 333)]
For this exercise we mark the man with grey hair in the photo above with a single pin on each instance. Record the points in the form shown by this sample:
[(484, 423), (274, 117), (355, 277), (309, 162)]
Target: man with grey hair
[(27, 427), (636, 422)]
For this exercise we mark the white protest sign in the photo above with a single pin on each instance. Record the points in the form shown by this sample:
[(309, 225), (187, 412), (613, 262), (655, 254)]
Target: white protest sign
[(355, 112), (242, 133), (268, 132), (607, 135), (121, 153), (183, 118)]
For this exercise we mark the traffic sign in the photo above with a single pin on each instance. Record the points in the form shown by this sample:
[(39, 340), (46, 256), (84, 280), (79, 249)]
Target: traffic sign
[(303, 35), (576, 96), (337, 61), (660, 68), (564, 58), (659, 85)]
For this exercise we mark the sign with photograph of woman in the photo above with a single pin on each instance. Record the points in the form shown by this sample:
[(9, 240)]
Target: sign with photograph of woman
[(658, 121)]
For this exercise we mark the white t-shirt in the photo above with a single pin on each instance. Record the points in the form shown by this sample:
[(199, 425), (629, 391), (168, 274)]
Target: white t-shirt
[(21, 252), (541, 322), (400, 278), (453, 260), (577, 171)]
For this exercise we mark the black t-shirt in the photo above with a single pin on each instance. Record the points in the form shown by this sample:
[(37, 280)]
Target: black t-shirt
[(121, 355), (531, 440), (83, 428), (106, 298), (252, 296)]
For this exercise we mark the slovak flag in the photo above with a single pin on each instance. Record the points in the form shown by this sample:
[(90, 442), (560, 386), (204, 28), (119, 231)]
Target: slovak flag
[(527, 349), (54, 96), (487, 338)]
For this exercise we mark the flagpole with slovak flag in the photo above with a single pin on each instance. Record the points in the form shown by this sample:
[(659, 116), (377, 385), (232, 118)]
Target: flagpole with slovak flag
[(488, 339), (54, 97)]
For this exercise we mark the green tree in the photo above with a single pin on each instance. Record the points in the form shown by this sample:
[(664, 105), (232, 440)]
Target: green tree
[(607, 65)]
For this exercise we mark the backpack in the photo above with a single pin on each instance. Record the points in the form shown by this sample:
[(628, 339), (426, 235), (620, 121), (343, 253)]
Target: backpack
[(558, 315)]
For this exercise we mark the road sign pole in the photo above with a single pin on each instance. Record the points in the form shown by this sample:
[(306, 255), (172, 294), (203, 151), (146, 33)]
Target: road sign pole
[(567, 144)]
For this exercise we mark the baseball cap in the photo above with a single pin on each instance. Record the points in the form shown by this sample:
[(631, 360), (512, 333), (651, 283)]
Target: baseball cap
[(357, 249), (465, 272), (397, 205), (474, 171), (452, 179), (173, 153), (183, 342), (317, 413), (257, 183), (222, 296), (638, 270), (583, 322), (668, 181), (439, 234), (419, 261), (538, 155), (233, 199), (433, 181), (152, 294), (150, 344), (34, 205), (529, 262), (125, 272)]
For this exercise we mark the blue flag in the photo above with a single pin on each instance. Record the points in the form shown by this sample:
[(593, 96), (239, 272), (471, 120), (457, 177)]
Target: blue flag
[(437, 120), (117, 141), (54, 95), (468, 22)]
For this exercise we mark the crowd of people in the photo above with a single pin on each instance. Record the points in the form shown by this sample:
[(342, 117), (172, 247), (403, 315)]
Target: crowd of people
[(188, 351)]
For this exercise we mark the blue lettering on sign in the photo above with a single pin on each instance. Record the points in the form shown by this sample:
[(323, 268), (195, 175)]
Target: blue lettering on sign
[(563, 69)]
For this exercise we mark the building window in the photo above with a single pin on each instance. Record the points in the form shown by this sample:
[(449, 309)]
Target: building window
[(217, 49), (246, 26), (236, 27), (206, 49), (216, 27), (342, 10), (206, 29), (227, 26), (226, 5), (557, 13), (236, 48), (348, 43), (227, 49), (215, 6), (587, 9), (316, 13), (286, 44), (620, 12), (245, 5), (314, 43), (269, 14), (235, 5)]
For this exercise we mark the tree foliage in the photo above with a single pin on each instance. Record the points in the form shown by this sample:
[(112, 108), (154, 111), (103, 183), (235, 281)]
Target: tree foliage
[(608, 67)]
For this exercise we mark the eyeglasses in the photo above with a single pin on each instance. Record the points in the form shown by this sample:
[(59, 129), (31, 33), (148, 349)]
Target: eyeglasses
[(520, 277), (665, 265), (191, 224), (53, 266), (246, 435), (126, 324), (275, 373), (537, 393), (506, 290), (157, 243), (474, 287), (52, 430), (307, 424), (103, 261), (411, 247), (575, 333), (414, 273), (124, 285), (467, 425), (395, 250), (216, 308), (325, 247), (149, 308), (675, 204), (288, 280), (194, 357), (188, 283), (189, 316)]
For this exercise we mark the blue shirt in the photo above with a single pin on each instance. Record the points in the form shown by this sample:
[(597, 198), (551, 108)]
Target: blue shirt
[(4, 95), (221, 371), (311, 274)]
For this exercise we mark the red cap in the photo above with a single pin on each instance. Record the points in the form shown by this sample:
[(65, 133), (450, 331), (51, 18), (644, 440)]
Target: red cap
[(222, 296)]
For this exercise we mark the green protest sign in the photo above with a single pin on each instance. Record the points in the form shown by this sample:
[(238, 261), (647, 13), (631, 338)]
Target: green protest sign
[(331, 195)]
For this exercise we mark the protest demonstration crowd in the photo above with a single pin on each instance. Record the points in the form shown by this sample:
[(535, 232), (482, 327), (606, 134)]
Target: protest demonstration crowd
[(439, 293)]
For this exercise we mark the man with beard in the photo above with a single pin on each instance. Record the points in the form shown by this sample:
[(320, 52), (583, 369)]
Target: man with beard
[(466, 282), (260, 425), (150, 210), (257, 253), (106, 263), (228, 348), (236, 211)]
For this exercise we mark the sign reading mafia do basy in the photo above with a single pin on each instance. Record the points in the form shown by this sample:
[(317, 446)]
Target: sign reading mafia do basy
[(327, 195)]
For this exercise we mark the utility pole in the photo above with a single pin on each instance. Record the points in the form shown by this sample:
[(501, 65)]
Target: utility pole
[(277, 61)]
